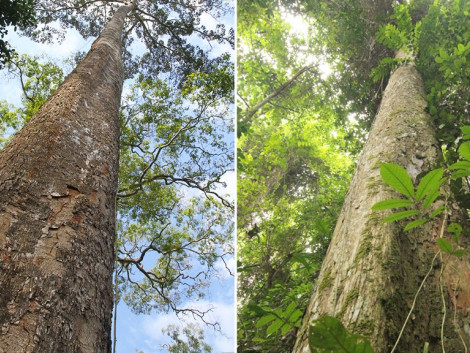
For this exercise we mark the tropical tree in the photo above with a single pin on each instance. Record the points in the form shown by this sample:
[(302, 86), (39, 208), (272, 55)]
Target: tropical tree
[(59, 210), (397, 284)]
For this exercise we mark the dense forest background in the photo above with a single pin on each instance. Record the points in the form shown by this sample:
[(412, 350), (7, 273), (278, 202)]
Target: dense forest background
[(310, 81)]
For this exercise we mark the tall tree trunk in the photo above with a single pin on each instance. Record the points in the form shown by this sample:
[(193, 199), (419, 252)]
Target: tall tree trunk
[(372, 270), (58, 183)]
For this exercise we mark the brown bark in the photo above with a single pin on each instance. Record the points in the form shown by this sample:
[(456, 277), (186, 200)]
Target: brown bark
[(58, 183), (372, 270)]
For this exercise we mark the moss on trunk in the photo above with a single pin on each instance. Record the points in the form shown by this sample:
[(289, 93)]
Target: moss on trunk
[(376, 268)]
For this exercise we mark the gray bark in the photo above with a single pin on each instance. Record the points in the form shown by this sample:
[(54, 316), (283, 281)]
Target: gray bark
[(58, 183), (372, 270)]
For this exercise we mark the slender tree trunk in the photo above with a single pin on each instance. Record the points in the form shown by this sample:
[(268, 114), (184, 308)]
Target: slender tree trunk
[(58, 183), (252, 111), (372, 270)]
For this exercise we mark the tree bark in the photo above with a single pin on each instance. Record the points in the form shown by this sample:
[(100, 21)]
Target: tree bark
[(372, 270), (58, 183)]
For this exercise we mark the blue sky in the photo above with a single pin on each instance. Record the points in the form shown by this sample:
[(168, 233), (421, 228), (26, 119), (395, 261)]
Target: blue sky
[(141, 332)]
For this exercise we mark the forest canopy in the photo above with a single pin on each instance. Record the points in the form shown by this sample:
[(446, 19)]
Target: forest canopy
[(306, 100)]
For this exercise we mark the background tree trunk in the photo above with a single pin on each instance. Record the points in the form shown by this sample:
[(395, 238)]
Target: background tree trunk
[(372, 270), (58, 183)]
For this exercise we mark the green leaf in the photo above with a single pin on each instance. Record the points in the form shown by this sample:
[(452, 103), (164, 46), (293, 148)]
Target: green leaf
[(456, 229), (285, 329), (397, 177), (431, 198), (256, 309), (443, 54), (328, 335), (464, 150), (460, 174), (415, 224), (276, 325), (392, 203), (265, 320), (290, 308), (438, 211), (460, 165), (438, 59), (444, 245), (429, 183), (303, 259), (295, 315), (400, 215), (459, 253), (461, 48), (466, 132)]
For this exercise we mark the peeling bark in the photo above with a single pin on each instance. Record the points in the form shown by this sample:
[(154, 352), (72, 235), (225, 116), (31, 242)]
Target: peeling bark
[(372, 270), (58, 184)]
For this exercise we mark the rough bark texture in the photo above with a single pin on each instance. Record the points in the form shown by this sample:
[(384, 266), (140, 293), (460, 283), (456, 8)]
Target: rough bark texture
[(372, 270), (58, 181)]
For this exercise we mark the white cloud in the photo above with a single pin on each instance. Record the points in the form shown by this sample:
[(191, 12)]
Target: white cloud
[(221, 268), (231, 189), (10, 90), (223, 313), (73, 42)]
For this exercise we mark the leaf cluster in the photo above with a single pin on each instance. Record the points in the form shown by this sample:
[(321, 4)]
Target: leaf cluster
[(426, 193), (39, 79), (175, 225), (167, 31), (17, 13), (328, 335), (444, 61)]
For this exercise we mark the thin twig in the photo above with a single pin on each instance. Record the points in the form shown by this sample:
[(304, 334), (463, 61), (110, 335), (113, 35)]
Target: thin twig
[(444, 309)]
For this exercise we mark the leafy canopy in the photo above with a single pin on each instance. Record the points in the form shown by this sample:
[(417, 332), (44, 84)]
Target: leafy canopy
[(17, 13)]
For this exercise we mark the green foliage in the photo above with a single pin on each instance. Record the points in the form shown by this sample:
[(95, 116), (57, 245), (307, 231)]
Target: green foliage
[(392, 203), (426, 347), (296, 153), (444, 62), (397, 177), (429, 183), (401, 35), (188, 340), (400, 215), (384, 68), (166, 33), (39, 79), (427, 189), (17, 13), (288, 191), (174, 224), (328, 335), (278, 319)]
